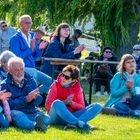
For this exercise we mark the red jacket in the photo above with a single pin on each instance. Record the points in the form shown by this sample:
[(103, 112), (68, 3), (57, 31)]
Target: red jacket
[(57, 91)]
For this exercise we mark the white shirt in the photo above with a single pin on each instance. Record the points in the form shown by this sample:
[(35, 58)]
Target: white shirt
[(27, 39)]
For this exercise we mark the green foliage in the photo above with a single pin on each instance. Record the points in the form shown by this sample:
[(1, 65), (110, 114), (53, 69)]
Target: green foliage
[(11, 10), (113, 18)]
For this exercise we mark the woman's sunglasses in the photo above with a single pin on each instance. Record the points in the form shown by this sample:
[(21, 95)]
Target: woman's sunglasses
[(66, 77)]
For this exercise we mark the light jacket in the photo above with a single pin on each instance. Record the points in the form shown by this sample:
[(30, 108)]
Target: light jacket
[(57, 91), (5, 37), (18, 99), (20, 48), (118, 88)]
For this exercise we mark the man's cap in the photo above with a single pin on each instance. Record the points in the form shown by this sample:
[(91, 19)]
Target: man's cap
[(41, 29), (2, 21), (137, 46), (78, 31)]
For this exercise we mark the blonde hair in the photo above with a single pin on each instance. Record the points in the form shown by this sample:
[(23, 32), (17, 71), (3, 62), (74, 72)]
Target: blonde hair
[(124, 58)]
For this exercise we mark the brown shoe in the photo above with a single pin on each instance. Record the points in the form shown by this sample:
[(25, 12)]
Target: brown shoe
[(109, 111)]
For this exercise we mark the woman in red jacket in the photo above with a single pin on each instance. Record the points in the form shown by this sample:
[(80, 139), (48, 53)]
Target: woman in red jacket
[(65, 101)]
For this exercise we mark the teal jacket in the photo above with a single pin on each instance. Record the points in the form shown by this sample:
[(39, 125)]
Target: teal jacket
[(118, 88)]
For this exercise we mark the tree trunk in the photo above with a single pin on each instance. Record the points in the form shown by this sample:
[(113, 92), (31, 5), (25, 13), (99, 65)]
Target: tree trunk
[(128, 47)]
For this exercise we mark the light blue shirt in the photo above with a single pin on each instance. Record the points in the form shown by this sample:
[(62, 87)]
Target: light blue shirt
[(5, 37)]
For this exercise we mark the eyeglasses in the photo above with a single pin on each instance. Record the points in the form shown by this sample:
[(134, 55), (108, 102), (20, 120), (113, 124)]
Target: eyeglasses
[(108, 51), (3, 26), (66, 77), (136, 49), (26, 22)]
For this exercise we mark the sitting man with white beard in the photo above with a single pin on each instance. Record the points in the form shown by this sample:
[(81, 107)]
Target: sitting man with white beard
[(25, 97)]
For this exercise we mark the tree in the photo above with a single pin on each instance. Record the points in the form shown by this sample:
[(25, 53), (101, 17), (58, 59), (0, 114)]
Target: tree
[(117, 20), (11, 10)]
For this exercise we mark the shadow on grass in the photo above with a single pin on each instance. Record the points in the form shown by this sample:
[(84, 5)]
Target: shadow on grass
[(61, 127)]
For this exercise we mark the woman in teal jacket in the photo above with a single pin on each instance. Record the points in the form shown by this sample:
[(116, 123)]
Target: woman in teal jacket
[(123, 97)]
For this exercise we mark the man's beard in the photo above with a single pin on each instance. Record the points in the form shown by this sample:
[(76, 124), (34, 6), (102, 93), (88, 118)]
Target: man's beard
[(18, 79)]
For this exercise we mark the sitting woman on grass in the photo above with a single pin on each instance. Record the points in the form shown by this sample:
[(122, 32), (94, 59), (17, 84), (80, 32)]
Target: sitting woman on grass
[(5, 117), (65, 101), (125, 97)]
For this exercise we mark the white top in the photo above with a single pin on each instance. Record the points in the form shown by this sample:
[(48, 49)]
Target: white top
[(27, 39)]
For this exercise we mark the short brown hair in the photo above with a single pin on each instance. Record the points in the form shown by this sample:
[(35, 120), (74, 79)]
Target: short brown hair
[(74, 71), (58, 28)]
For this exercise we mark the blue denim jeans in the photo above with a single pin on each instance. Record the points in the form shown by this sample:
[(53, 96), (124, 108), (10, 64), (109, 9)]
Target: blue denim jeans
[(41, 78), (4, 123), (128, 108), (59, 114), (27, 121)]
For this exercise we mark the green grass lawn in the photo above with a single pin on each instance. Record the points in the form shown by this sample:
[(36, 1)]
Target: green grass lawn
[(108, 127)]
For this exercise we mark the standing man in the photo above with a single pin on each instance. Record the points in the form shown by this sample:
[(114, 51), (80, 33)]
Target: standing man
[(23, 45), (6, 33)]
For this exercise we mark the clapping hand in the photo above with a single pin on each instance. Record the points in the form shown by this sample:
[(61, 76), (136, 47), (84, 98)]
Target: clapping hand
[(4, 95), (32, 95), (32, 43), (79, 49), (68, 100), (43, 44), (129, 84)]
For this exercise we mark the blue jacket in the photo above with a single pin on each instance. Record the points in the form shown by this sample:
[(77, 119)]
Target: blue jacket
[(18, 99), (118, 88), (20, 48), (56, 50)]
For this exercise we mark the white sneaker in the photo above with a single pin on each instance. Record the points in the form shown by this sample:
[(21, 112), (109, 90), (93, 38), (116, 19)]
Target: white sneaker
[(98, 93), (106, 93)]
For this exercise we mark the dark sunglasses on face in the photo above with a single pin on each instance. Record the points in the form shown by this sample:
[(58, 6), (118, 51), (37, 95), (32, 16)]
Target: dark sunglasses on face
[(65, 76), (136, 49), (108, 51), (3, 26)]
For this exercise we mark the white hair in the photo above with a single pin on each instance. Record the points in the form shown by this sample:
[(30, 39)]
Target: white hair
[(21, 18), (6, 55), (15, 60)]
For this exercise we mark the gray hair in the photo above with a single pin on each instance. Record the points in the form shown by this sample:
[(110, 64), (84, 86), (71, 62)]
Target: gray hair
[(16, 60), (5, 56), (21, 18)]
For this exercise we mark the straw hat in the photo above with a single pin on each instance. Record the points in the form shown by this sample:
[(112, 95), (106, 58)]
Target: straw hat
[(41, 29)]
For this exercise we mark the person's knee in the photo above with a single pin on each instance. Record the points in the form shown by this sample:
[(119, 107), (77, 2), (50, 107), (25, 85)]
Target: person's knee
[(57, 103), (97, 106), (21, 120)]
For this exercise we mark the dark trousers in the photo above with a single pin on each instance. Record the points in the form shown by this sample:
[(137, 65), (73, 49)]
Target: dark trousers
[(128, 108), (98, 82)]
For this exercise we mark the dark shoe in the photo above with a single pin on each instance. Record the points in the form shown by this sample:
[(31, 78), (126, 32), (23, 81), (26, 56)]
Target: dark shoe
[(40, 124), (109, 111), (88, 127)]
